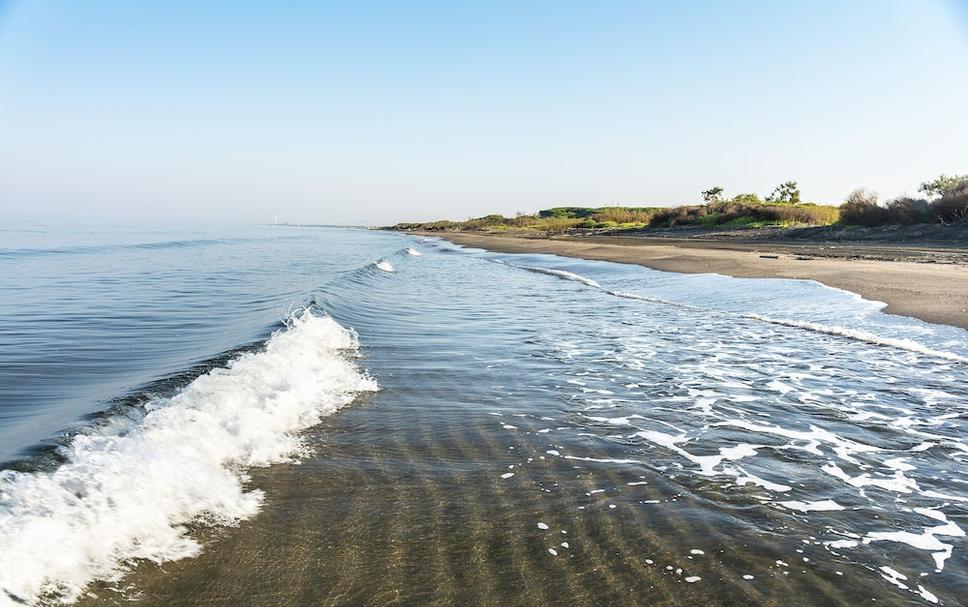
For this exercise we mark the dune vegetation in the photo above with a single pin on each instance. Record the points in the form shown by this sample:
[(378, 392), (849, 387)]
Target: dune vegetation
[(945, 201)]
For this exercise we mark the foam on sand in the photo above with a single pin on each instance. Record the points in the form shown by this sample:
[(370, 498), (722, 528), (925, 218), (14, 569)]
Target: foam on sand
[(128, 490)]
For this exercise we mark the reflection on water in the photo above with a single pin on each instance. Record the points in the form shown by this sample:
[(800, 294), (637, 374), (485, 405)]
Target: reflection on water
[(555, 431)]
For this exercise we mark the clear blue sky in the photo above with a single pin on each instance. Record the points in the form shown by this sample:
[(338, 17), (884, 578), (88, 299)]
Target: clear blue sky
[(370, 112)]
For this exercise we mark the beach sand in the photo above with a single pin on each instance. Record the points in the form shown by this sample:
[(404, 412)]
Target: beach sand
[(921, 282)]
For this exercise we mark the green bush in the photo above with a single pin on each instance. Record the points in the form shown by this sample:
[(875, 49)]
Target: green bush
[(739, 211)]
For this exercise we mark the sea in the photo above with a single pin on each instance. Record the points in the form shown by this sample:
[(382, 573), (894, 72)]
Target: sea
[(309, 415)]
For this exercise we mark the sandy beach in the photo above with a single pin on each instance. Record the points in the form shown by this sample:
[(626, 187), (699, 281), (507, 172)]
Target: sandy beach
[(922, 282)]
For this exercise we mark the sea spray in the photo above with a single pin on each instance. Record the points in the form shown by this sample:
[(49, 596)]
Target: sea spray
[(127, 492)]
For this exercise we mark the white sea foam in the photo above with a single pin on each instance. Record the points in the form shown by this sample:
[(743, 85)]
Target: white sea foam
[(817, 506), (927, 595), (566, 275), (927, 539), (127, 493), (865, 336), (841, 544), (385, 265), (894, 577), (626, 295), (413, 252)]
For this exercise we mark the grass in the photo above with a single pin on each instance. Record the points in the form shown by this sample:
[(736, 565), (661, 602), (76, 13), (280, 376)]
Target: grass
[(743, 212), (736, 213), (549, 221)]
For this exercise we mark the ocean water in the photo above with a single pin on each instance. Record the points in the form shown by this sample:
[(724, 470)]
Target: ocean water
[(330, 416)]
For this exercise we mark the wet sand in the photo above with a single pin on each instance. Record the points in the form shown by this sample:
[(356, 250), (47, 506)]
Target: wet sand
[(921, 282), (399, 506)]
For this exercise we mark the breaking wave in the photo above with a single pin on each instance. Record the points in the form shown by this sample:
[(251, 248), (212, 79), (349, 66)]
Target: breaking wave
[(625, 295), (864, 336), (128, 489), (563, 274)]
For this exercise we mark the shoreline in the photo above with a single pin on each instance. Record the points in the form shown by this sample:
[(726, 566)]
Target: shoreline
[(918, 282)]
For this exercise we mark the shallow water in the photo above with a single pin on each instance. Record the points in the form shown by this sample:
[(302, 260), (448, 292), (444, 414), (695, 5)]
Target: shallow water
[(546, 430)]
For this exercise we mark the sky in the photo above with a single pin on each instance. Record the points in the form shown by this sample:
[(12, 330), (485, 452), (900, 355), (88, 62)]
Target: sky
[(377, 112)]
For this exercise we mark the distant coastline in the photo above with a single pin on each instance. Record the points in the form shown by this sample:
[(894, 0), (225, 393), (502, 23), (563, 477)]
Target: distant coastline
[(910, 253), (923, 278), (944, 203)]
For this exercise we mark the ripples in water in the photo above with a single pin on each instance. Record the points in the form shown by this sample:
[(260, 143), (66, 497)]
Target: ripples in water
[(627, 435)]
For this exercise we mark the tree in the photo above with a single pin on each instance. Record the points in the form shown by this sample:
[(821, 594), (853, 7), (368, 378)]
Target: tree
[(712, 195), (785, 192), (943, 184)]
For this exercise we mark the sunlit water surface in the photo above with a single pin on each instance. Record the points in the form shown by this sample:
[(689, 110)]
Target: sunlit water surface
[(500, 429)]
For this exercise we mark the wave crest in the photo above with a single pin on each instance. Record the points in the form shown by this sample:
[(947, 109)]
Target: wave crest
[(564, 274), (865, 336), (126, 492)]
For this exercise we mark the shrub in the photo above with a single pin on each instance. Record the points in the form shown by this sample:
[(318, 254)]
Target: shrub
[(861, 208), (747, 199), (677, 216), (952, 207), (908, 211), (565, 212), (620, 215), (738, 212)]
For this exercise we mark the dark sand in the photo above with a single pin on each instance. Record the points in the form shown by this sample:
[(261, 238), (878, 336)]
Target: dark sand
[(922, 282)]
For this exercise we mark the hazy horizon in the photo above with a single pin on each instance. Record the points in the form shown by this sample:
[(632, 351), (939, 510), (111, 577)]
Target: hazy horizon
[(378, 113)]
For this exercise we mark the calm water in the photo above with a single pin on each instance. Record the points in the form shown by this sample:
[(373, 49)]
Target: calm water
[(188, 421)]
